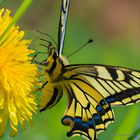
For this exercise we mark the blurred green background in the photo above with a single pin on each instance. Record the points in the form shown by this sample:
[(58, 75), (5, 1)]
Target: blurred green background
[(114, 27)]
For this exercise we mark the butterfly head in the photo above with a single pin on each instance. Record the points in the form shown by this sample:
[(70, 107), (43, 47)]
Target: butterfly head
[(54, 62)]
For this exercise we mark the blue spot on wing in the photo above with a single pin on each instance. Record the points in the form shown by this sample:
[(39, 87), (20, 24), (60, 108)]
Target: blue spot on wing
[(96, 116), (110, 99), (97, 119), (78, 121), (90, 123), (99, 108), (79, 124), (102, 102)]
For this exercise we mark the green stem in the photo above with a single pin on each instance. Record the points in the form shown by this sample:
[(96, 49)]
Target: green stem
[(21, 10), (25, 4)]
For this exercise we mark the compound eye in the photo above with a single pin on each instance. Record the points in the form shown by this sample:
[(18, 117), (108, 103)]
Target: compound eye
[(60, 60), (45, 63)]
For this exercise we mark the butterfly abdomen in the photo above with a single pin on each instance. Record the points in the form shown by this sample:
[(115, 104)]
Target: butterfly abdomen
[(50, 96)]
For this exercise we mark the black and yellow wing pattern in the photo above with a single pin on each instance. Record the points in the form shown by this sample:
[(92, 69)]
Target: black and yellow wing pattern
[(90, 90)]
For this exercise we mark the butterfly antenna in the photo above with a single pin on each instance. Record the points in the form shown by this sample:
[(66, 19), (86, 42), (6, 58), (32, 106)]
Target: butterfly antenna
[(89, 41), (48, 36)]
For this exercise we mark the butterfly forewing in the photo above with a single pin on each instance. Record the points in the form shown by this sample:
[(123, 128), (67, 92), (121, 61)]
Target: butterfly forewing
[(119, 86)]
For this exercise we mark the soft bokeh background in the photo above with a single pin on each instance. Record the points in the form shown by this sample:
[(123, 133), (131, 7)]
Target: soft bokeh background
[(115, 27)]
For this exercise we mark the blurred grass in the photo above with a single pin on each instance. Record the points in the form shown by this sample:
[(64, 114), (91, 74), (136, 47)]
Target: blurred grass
[(120, 51), (135, 135), (127, 120)]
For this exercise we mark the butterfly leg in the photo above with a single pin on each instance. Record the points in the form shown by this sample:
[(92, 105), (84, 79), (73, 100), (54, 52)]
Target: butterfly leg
[(37, 55), (42, 86)]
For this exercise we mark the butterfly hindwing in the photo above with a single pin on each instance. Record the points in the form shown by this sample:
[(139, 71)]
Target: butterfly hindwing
[(86, 114), (91, 90)]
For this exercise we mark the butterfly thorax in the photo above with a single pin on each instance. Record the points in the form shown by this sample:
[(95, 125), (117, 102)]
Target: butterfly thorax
[(54, 66)]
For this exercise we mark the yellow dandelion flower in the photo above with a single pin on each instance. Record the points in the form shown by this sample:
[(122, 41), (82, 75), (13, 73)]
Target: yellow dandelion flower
[(17, 77)]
